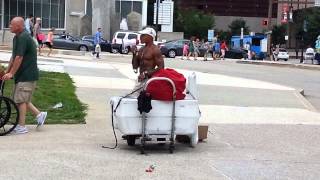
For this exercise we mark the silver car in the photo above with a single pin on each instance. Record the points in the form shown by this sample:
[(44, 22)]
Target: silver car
[(63, 41)]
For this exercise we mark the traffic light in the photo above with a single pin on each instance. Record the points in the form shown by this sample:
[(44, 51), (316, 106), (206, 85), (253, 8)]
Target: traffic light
[(265, 22)]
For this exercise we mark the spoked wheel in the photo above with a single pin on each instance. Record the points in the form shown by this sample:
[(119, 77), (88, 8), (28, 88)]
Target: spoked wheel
[(9, 115)]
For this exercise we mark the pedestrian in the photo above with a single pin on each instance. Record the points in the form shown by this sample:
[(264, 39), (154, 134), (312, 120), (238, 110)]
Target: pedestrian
[(37, 33), (317, 44), (217, 49), (23, 68), (28, 24), (185, 51), (207, 50), (196, 49), (49, 41), (191, 48), (223, 48), (97, 41)]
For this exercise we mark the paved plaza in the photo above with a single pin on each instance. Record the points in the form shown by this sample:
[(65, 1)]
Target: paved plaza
[(258, 129)]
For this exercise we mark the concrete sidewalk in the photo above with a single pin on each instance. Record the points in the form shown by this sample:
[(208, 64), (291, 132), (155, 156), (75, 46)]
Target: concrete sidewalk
[(268, 144)]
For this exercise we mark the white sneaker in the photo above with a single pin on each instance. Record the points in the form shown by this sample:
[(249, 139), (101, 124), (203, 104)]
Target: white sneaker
[(20, 129), (41, 118)]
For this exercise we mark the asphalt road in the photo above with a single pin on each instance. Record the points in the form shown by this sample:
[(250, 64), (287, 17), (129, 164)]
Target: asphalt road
[(309, 80)]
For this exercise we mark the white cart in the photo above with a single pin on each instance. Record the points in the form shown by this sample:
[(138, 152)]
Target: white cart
[(166, 119)]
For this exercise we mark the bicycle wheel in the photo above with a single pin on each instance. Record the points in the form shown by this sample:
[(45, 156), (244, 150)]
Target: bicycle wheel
[(9, 115)]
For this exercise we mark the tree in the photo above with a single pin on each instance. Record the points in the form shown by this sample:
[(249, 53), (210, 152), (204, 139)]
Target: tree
[(307, 23), (193, 23), (236, 25), (278, 34)]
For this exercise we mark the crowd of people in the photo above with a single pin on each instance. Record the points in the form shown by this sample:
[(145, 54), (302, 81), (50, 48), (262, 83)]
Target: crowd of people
[(215, 49), (32, 26)]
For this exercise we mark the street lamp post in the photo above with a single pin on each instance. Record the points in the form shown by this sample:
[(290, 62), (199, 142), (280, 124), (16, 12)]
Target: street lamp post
[(157, 18)]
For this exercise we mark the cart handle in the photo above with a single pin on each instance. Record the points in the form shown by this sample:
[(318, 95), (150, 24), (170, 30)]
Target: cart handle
[(162, 79)]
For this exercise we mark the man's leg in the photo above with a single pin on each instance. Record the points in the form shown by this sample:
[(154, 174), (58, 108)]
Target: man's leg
[(22, 113), (33, 109)]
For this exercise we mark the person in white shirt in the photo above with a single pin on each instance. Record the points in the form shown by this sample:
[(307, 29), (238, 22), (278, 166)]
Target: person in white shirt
[(28, 24)]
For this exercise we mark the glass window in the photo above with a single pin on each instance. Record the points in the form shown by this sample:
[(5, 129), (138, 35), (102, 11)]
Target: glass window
[(121, 35), (45, 13), (256, 41), (127, 7), (132, 36), (61, 12), (22, 8), (52, 12), (89, 7)]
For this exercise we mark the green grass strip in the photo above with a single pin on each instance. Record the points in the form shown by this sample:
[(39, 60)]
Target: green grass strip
[(53, 88)]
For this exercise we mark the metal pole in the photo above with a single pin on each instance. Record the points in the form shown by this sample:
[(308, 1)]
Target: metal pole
[(269, 26), (120, 10), (157, 18), (131, 5)]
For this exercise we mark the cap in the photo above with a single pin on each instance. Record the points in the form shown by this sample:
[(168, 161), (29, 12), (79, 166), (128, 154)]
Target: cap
[(38, 19), (149, 31)]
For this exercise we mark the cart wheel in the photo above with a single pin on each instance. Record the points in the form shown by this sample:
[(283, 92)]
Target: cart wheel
[(194, 138), (131, 140), (9, 115)]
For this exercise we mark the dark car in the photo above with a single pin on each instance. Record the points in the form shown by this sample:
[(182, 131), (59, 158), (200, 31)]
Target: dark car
[(174, 48), (105, 45), (63, 41), (236, 54)]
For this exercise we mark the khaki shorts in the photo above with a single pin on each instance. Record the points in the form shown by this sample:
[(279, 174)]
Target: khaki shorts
[(22, 92)]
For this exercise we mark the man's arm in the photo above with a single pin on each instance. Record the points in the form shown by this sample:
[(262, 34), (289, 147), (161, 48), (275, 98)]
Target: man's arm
[(10, 65), (13, 68), (135, 58)]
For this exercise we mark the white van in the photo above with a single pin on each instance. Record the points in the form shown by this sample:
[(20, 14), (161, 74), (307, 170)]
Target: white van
[(123, 41)]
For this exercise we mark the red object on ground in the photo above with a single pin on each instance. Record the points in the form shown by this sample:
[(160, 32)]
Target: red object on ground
[(162, 90)]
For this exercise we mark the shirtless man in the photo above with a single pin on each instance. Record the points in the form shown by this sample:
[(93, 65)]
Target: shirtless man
[(149, 58)]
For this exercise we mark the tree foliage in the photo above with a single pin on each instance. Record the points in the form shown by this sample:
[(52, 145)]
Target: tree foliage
[(278, 34), (236, 25), (193, 23), (307, 23)]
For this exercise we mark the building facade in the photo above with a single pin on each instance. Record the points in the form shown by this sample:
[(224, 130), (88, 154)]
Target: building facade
[(76, 17)]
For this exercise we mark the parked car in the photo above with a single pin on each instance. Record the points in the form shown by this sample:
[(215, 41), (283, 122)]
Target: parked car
[(123, 40), (63, 41), (157, 43), (283, 54), (105, 45), (236, 54)]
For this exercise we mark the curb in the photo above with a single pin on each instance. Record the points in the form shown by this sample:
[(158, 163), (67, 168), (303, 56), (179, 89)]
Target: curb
[(299, 93), (298, 66)]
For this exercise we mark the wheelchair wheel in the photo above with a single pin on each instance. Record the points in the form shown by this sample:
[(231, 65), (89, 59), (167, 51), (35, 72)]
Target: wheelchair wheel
[(9, 115)]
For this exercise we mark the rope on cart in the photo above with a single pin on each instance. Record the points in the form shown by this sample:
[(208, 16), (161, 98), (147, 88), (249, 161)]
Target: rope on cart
[(112, 121)]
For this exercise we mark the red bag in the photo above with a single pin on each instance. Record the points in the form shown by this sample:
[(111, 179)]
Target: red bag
[(162, 90)]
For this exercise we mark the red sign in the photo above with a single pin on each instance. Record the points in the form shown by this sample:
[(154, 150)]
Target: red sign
[(285, 10)]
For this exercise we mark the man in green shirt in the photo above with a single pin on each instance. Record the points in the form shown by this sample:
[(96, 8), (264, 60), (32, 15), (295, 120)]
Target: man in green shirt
[(23, 68)]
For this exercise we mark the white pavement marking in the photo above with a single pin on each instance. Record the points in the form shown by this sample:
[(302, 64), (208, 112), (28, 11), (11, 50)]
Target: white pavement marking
[(102, 82), (219, 114), (86, 64), (229, 81)]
